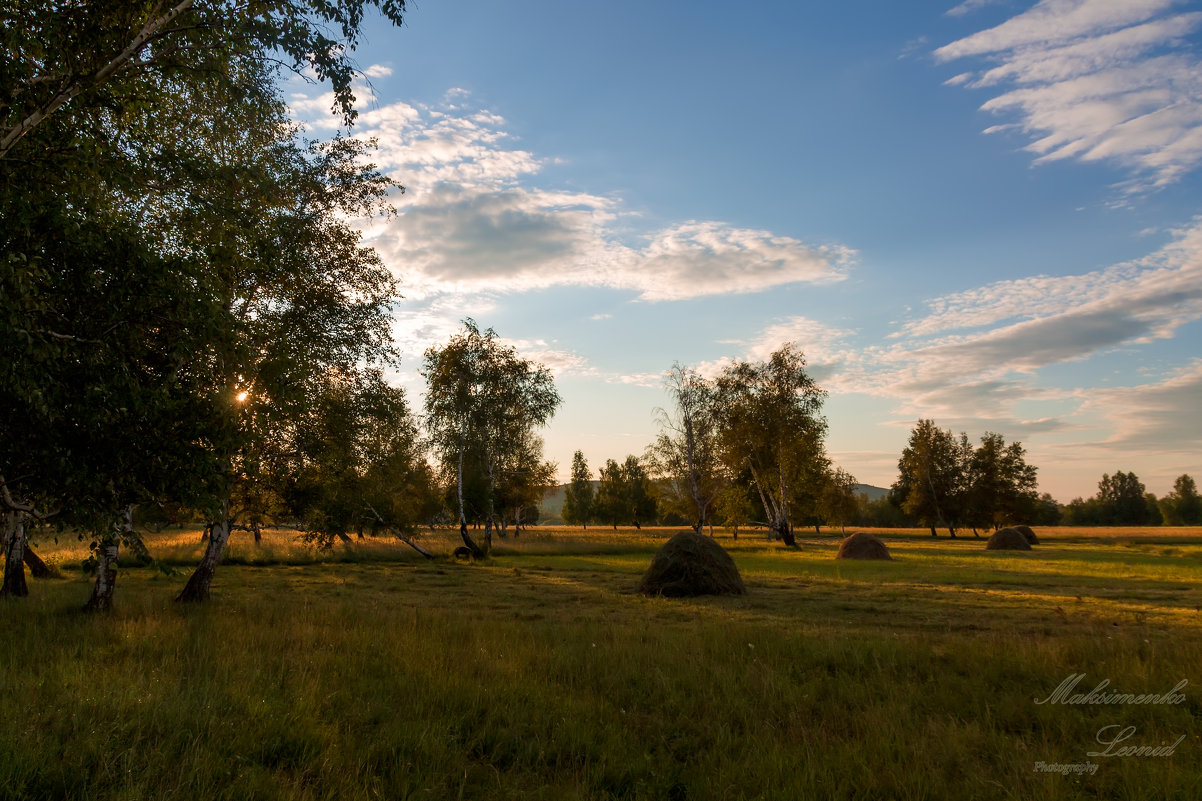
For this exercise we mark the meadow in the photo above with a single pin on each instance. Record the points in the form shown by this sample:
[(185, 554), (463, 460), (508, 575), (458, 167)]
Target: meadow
[(367, 672)]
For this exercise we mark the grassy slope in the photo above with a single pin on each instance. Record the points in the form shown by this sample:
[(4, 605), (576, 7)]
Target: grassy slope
[(539, 675)]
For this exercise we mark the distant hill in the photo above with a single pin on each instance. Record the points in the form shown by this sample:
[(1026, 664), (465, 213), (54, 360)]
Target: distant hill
[(551, 508), (873, 493)]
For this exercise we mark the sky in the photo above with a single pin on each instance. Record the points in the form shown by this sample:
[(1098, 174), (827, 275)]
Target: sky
[(988, 214)]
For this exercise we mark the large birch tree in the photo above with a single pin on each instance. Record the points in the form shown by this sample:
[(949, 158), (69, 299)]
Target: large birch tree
[(482, 404), (770, 425)]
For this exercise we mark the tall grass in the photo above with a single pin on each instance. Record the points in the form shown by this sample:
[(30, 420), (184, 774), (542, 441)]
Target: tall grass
[(369, 672)]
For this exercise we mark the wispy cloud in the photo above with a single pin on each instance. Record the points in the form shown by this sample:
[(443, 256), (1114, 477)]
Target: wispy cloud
[(969, 6), (1161, 417), (1030, 323), (1096, 80)]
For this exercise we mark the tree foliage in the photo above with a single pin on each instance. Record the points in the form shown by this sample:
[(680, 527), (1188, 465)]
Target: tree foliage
[(684, 458), (56, 58), (943, 481), (483, 403), (1182, 506), (769, 424), (178, 268), (578, 496)]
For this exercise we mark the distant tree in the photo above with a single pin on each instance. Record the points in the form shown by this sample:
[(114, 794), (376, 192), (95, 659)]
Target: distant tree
[(839, 501), (883, 512), (737, 504), (578, 495), (523, 478), (769, 423), (931, 477), (1152, 515), (356, 461), (624, 495), (1122, 499), (640, 502), (1182, 506), (684, 457), (482, 404), (1047, 511), (1001, 485), (611, 503)]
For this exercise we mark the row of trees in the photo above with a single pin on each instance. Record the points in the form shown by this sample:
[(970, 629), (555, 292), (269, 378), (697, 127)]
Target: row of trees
[(746, 447), (945, 481), (1122, 500)]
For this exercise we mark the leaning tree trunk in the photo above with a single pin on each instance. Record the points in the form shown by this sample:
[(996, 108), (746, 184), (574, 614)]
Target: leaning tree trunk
[(37, 568), (14, 554), (197, 588), (106, 563)]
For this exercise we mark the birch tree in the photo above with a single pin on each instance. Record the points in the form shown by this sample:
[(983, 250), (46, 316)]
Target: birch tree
[(770, 424), (482, 404), (684, 457)]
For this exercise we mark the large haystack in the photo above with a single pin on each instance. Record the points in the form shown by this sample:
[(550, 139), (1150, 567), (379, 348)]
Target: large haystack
[(691, 564), (863, 546), (1029, 534), (1008, 539)]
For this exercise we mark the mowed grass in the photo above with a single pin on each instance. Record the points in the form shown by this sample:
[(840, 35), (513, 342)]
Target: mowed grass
[(369, 672)]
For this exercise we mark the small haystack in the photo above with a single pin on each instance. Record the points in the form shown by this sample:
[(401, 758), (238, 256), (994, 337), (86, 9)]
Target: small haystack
[(691, 564), (1008, 539), (863, 546), (1029, 534)]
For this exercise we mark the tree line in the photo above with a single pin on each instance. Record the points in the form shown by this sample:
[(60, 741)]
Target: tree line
[(744, 448)]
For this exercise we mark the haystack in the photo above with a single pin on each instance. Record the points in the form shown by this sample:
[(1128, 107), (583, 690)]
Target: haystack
[(1029, 534), (691, 564), (1008, 539), (863, 546)]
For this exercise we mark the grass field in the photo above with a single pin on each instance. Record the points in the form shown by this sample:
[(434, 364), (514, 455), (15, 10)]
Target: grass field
[(370, 672)]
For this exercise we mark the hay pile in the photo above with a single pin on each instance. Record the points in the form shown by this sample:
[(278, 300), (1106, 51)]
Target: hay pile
[(1008, 539), (1029, 534), (691, 564), (863, 546)]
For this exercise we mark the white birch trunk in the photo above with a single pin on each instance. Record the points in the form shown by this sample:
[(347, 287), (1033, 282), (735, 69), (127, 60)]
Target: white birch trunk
[(14, 585)]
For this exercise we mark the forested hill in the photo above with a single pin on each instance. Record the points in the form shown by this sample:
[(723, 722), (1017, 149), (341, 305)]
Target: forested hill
[(551, 508)]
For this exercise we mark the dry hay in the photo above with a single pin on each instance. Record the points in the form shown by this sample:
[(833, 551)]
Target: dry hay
[(863, 546), (691, 564), (1028, 533), (1008, 539)]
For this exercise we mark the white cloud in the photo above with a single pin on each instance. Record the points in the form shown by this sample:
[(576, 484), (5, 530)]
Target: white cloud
[(473, 220), (377, 71), (1097, 80)]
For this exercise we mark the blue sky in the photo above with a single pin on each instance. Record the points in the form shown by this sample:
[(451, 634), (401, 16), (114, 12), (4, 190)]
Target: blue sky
[(987, 214)]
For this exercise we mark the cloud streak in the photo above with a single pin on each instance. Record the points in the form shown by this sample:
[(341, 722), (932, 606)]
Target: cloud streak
[(1096, 80)]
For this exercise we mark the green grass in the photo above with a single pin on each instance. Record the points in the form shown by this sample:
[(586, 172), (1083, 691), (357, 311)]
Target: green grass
[(369, 672)]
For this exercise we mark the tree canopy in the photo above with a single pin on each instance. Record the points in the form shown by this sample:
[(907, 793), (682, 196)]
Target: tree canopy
[(483, 403)]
